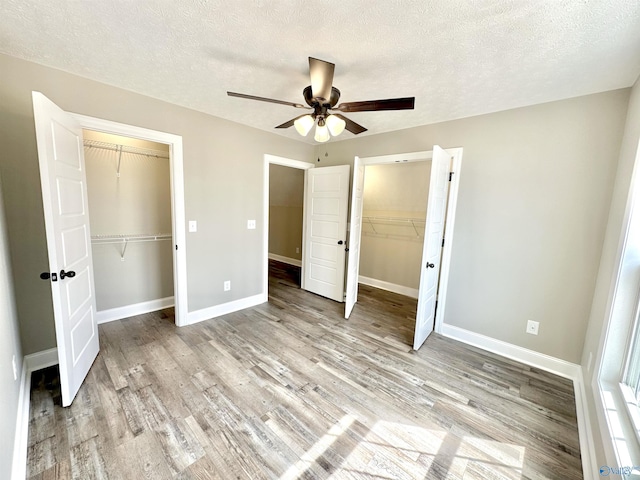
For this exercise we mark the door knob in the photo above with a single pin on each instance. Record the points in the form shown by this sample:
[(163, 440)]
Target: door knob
[(46, 276), (430, 265), (69, 274), (340, 242)]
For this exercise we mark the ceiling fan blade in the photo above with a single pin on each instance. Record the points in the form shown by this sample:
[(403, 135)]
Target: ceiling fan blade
[(321, 74), (406, 103), (352, 126), (263, 99), (290, 122)]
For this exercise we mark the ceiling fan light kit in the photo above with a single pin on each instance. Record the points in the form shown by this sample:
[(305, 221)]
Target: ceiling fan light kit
[(303, 124), (322, 96), (322, 133)]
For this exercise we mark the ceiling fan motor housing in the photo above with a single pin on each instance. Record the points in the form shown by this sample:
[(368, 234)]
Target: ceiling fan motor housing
[(315, 102)]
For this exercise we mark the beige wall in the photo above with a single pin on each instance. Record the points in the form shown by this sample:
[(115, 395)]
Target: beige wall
[(286, 198), (223, 188), (136, 202), (389, 251), (9, 347), (535, 190)]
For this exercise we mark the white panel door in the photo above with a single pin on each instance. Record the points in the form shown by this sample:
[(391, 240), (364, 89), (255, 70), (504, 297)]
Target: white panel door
[(355, 232), (64, 196), (432, 249), (327, 194)]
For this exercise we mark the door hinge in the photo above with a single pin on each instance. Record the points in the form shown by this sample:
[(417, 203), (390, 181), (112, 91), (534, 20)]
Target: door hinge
[(450, 175), (443, 242)]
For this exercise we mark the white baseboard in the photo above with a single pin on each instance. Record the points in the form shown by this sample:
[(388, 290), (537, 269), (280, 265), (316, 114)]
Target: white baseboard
[(39, 360), (30, 364), (280, 258), (550, 364), (391, 287), (529, 357), (19, 467), (104, 316), (225, 308), (585, 432)]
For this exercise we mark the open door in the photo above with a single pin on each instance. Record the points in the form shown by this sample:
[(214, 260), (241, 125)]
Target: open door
[(355, 233), (432, 249), (64, 197), (327, 193)]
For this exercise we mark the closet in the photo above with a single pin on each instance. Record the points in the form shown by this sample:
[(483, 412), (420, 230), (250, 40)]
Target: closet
[(286, 199), (129, 193), (393, 223)]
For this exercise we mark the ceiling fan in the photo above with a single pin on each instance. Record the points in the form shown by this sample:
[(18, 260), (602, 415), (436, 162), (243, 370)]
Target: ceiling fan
[(322, 96)]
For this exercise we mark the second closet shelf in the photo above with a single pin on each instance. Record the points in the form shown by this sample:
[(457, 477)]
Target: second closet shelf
[(394, 226), (124, 239)]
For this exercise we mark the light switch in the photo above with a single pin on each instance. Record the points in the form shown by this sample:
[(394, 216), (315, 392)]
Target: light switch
[(193, 226), (251, 224)]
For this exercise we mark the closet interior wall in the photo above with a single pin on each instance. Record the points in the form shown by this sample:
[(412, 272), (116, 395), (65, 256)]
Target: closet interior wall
[(130, 219), (286, 199), (394, 209)]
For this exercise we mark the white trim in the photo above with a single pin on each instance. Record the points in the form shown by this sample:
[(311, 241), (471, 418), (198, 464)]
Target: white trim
[(225, 308), (390, 287), (285, 162), (30, 363), (585, 432), (20, 443), (117, 313), (445, 262), (39, 360), (291, 261), (177, 197), (550, 364)]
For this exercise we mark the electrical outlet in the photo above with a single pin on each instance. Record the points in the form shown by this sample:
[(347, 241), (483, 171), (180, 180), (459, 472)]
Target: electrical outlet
[(193, 226), (251, 224), (297, 249), (15, 367), (532, 327), (227, 285)]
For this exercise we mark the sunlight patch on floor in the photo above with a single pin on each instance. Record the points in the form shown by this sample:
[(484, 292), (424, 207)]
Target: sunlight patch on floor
[(318, 448), (399, 451)]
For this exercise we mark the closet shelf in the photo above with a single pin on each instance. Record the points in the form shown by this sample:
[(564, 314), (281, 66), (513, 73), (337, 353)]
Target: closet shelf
[(120, 149), (124, 239), (400, 227)]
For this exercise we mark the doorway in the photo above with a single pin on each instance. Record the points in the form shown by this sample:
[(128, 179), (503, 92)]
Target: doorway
[(176, 187), (286, 244), (129, 197), (436, 252), (286, 201)]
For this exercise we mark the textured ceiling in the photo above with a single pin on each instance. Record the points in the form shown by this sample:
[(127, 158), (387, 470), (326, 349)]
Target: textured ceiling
[(457, 57)]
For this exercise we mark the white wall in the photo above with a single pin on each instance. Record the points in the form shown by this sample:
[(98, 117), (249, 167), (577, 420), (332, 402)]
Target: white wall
[(9, 348), (535, 190), (609, 262)]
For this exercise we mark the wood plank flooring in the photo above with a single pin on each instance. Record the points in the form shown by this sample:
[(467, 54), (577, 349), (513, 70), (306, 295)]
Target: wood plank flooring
[(289, 389)]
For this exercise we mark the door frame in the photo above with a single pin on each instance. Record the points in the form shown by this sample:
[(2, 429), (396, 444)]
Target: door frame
[(285, 162), (456, 166), (176, 179)]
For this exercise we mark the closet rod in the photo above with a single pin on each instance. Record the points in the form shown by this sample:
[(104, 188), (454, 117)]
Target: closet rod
[(148, 152)]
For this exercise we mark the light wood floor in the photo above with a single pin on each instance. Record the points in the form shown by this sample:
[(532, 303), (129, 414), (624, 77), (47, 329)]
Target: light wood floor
[(289, 389)]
